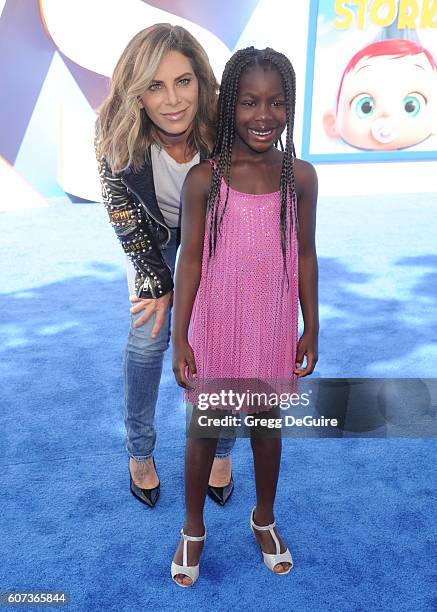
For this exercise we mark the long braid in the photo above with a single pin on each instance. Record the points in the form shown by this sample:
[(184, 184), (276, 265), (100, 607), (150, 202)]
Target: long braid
[(225, 137), (226, 133), (287, 180)]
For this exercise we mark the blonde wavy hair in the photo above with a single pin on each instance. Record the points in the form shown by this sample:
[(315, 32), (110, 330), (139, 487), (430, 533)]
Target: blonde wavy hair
[(123, 130)]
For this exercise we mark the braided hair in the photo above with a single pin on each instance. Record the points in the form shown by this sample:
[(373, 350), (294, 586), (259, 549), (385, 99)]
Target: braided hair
[(222, 151)]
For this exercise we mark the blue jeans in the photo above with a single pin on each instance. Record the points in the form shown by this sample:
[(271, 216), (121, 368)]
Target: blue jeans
[(142, 374)]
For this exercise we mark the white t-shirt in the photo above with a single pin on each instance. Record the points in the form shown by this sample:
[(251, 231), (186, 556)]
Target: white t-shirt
[(168, 177)]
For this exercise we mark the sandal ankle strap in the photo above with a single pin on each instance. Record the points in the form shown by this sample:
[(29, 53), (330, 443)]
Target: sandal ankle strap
[(267, 528), (187, 538), (259, 527)]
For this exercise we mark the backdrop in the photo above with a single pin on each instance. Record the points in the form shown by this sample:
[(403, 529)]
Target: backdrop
[(56, 57)]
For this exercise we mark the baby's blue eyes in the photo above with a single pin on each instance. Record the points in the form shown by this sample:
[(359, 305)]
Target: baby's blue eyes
[(412, 104), (364, 106)]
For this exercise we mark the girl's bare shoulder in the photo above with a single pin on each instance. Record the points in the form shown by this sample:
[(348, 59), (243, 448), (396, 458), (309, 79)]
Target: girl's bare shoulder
[(305, 176), (199, 177)]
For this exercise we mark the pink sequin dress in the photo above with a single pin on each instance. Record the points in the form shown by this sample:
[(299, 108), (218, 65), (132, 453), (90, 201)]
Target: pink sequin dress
[(244, 322)]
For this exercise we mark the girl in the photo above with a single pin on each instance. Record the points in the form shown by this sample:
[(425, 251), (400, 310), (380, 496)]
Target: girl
[(157, 122), (247, 214)]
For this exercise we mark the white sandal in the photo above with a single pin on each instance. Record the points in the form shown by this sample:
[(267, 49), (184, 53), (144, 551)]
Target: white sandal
[(191, 571), (269, 559)]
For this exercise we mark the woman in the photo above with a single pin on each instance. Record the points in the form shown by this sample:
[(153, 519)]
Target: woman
[(157, 122)]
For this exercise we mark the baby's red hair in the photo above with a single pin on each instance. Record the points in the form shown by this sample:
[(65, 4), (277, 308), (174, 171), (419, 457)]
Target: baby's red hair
[(392, 46)]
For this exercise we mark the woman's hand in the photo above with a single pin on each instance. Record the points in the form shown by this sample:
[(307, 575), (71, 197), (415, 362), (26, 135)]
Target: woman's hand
[(307, 346), (158, 305), (183, 357)]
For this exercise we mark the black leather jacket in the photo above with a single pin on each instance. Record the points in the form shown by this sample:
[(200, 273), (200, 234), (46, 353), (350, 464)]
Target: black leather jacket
[(130, 200)]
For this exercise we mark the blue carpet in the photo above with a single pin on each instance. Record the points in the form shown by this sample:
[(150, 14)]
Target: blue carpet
[(356, 513)]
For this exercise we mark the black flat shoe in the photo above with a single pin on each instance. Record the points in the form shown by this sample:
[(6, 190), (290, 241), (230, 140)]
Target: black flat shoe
[(221, 494), (149, 497)]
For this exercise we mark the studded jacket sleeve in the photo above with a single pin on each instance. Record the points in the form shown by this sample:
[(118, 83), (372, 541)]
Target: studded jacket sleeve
[(133, 229)]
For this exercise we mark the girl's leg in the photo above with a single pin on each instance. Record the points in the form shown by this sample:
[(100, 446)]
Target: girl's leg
[(266, 448), (199, 455)]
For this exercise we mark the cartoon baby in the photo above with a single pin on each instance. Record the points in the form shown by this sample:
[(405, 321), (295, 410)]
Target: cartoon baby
[(387, 97)]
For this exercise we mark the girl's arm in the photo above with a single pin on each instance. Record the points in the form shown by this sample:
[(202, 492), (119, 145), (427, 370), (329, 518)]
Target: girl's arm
[(306, 179), (193, 200)]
